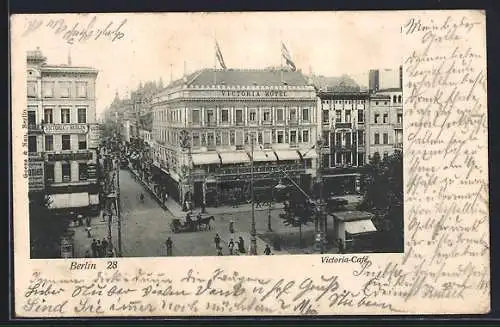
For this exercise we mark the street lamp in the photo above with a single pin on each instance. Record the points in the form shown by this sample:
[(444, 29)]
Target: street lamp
[(185, 143), (253, 232)]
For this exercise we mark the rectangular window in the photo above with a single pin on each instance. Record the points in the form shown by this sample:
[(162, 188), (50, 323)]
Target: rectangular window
[(32, 144), (65, 116), (280, 137), (267, 137), (49, 143), (361, 116), (82, 142), (81, 89), (338, 139), (225, 138), (210, 118), (348, 116), (195, 119), (305, 114), (82, 115), (66, 171), (338, 160), (65, 88), (239, 116), (31, 117), (48, 89), (293, 137), (377, 138), (49, 172), (83, 174), (66, 142), (361, 138), (238, 140), (224, 115), (338, 116), (267, 116), (196, 140), (293, 114), (376, 117), (252, 116), (348, 139), (279, 115), (326, 116), (400, 118), (361, 159), (385, 117), (48, 116), (386, 138), (31, 90), (210, 140), (326, 138), (305, 136)]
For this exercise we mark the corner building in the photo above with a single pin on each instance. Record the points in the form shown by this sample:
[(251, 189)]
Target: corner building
[(63, 134), (221, 111)]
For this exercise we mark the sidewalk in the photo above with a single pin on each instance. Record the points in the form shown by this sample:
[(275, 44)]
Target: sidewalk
[(175, 209), (99, 231)]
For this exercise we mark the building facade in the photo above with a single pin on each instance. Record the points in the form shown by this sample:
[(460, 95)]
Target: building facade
[(63, 134), (385, 122), (343, 151), (204, 124)]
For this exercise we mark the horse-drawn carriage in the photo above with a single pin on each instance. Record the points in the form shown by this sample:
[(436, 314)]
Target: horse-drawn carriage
[(192, 223)]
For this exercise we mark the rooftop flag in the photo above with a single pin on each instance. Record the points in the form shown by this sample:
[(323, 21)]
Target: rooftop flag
[(218, 54), (288, 58)]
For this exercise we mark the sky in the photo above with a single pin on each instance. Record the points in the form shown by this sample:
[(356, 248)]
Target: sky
[(167, 45)]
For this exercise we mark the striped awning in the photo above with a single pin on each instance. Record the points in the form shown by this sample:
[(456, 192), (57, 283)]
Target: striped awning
[(234, 157), (264, 156), (205, 158), (287, 155)]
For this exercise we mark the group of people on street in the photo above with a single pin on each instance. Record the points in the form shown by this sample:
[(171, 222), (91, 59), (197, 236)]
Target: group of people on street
[(240, 246), (99, 249)]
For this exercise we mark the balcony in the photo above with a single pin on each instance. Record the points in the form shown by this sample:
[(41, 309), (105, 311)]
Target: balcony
[(240, 123), (267, 122), (398, 125), (35, 155), (343, 125), (398, 145), (210, 123), (294, 145), (264, 171), (293, 122)]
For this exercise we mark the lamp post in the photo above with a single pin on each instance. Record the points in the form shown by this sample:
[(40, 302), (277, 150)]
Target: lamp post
[(186, 146), (319, 214), (253, 232)]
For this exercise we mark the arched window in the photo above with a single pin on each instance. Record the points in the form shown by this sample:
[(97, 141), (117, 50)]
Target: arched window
[(394, 99), (399, 99)]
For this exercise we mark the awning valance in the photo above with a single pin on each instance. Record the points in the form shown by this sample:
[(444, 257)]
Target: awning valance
[(288, 155), (234, 157), (69, 200), (309, 154), (359, 227), (264, 156), (205, 158)]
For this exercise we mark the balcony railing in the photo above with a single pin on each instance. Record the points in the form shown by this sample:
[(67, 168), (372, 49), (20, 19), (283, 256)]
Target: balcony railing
[(294, 145), (267, 169), (210, 123), (398, 126), (35, 127), (35, 155), (343, 125)]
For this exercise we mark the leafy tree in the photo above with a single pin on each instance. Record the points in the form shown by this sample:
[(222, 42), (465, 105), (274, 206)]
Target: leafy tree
[(384, 197), (297, 211), (46, 228)]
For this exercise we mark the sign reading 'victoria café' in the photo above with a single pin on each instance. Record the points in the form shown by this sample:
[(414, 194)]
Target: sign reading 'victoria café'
[(65, 128)]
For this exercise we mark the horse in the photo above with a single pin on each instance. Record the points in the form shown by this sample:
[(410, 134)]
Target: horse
[(205, 222)]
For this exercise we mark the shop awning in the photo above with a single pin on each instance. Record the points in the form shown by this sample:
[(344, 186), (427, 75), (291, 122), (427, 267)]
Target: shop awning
[(359, 227), (71, 200), (205, 158), (288, 155), (264, 156), (234, 157)]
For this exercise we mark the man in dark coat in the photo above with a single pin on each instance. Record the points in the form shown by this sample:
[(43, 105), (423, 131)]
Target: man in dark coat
[(93, 246)]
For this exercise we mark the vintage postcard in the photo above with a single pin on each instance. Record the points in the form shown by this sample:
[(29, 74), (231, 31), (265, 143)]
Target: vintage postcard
[(285, 163)]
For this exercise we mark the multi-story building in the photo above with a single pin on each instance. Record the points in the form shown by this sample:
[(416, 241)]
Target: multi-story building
[(385, 122), (380, 79), (343, 135), (219, 113), (62, 132)]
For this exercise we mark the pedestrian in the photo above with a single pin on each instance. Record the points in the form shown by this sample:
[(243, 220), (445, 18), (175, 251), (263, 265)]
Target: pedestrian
[(99, 249), (104, 244), (231, 247), (88, 229), (88, 221), (341, 246), (80, 220), (93, 246), (168, 243), (231, 226), (267, 250), (241, 245), (219, 251), (217, 240)]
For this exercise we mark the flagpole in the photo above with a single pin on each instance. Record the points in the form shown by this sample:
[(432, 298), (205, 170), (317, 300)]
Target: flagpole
[(281, 62), (215, 60)]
